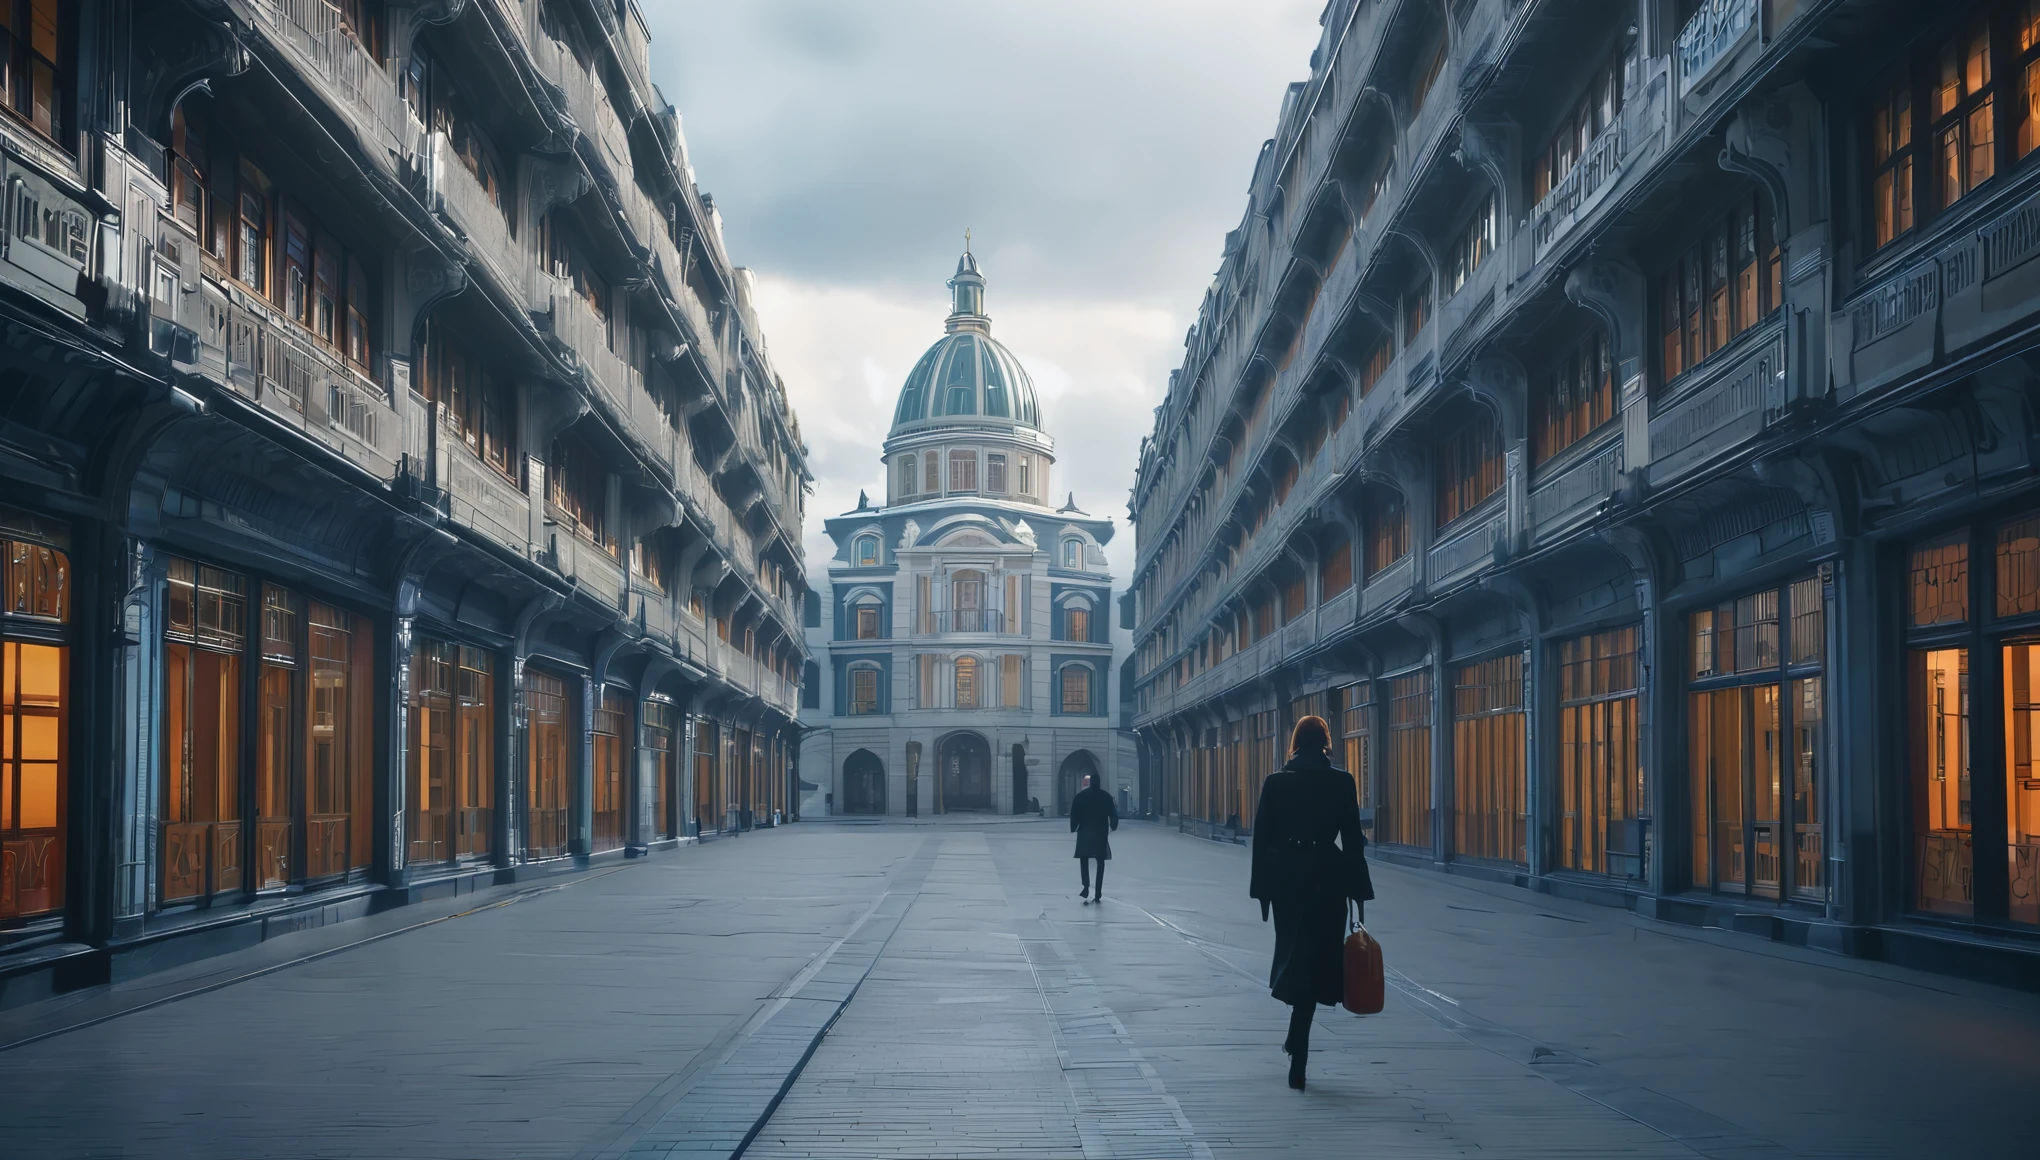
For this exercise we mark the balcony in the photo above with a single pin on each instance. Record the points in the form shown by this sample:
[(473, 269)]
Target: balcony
[(275, 365), (1580, 191), (991, 621), (352, 80), (1469, 547), (587, 103), (457, 195), (1712, 36)]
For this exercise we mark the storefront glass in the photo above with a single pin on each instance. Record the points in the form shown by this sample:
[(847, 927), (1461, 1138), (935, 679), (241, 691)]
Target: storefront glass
[(204, 635), (34, 700), (1489, 735), (545, 702), (611, 753), (1404, 818), (1601, 789), (451, 766), (658, 738)]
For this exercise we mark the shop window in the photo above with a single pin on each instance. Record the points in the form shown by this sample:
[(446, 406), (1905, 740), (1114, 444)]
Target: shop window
[(1469, 466), (1076, 689), (545, 702), (1357, 733), (708, 809), (1727, 281), (34, 729), (610, 752), (1388, 532), (204, 634), (1755, 706), (863, 692), (340, 759), (966, 682), (1601, 785), (451, 774), (37, 48), (1576, 401), (1490, 803), (658, 736), (1404, 817)]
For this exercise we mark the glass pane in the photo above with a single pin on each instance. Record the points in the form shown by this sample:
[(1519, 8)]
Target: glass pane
[(1809, 858), (2022, 778), (1766, 774), (1809, 622), (1940, 583), (2018, 567), (1939, 718)]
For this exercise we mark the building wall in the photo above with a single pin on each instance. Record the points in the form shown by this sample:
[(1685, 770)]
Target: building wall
[(347, 487), (1581, 422)]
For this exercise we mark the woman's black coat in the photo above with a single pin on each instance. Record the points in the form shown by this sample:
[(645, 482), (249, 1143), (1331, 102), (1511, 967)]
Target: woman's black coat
[(1307, 879), (1092, 814)]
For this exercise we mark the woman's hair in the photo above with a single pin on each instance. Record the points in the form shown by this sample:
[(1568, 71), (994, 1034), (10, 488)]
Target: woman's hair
[(1312, 736)]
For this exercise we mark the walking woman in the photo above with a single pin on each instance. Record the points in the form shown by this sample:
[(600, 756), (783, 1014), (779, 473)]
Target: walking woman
[(1306, 877)]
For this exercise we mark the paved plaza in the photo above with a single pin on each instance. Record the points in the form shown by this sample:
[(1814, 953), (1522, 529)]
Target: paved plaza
[(935, 990)]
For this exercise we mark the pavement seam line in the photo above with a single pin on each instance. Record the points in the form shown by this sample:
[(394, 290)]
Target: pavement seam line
[(301, 960)]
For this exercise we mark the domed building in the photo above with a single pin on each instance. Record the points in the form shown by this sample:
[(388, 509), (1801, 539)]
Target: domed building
[(965, 624)]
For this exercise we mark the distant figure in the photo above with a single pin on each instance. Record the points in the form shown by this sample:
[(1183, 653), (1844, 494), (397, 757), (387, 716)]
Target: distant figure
[(1034, 803), (1306, 879), (1092, 816)]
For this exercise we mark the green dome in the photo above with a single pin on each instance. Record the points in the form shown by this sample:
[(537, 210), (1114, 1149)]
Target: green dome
[(967, 377)]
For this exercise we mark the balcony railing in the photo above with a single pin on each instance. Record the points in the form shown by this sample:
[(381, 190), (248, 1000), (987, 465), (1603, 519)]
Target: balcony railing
[(461, 197), (1580, 190), (362, 89), (1711, 36), (980, 620)]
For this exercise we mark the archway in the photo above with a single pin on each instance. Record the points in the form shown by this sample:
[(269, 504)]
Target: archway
[(1070, 778), (863, 783), (965, 762)]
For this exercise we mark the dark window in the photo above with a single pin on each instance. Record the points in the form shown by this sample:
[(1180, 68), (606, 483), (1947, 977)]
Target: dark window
[(36, 52), (1730, 279), (1576, 400), (1388, 531), (1469, 469)]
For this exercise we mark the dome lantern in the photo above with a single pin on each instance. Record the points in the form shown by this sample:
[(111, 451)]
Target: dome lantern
[(968, 378)]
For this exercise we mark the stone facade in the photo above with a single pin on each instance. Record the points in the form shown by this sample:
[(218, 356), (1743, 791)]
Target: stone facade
[(395, 490), (966, 630), (1596, 416)]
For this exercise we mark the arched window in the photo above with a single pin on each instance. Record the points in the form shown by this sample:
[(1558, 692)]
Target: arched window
[(1073, 554), (863, 691), (967, 602), (1076, 689), (1077, 622), (966, 683), (866, 555), (869, 619), (910, 467)]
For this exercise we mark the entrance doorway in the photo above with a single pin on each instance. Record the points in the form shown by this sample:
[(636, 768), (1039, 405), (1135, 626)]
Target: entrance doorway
[(1070, 779), (1020, 805), (863, 783), (966, 763)]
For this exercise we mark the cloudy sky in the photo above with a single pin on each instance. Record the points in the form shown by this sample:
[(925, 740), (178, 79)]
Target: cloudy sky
[(1098, 151)]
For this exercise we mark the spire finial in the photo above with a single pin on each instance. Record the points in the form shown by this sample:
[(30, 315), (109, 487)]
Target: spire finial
[(966, 239)]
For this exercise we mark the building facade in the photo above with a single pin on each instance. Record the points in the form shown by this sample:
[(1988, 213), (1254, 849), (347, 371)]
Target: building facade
[(395, 493), (963, 646), (1618, 420)]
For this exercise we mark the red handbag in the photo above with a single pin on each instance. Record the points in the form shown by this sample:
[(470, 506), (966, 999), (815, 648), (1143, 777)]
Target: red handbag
[(1364, 982)]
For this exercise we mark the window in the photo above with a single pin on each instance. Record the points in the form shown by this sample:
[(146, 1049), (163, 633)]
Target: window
[(1891, 162), (1335, 569), (1490, 802), (34, 727), (1078, 623), (962, 471), (966, 682), (1076, 689), (1472, 246), (867, 622), (339, 722), (1755, 717), (1963, 137), (1012, 681), (206, 611), (1295, 598), (578, 492), (1404, 816), (1725, 283), (2026, 74), (450, 764), (863, 691), (1073, 554), (1416, 312), (909, 468), (545, 700), (1388, 531), (1579, 128), (1027, 475), (934, 473), (995, 474), (648, 562), (867, 552), (1357, 727), (1376, 365), (1469, 468), (476, 400), (251, 235), (609, 753), (1576, 400), (1600, 771), (36, 52), (967, 610), (659, 735)]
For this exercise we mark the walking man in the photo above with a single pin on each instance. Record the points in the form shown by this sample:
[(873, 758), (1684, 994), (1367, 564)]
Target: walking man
[(1092, 816)]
